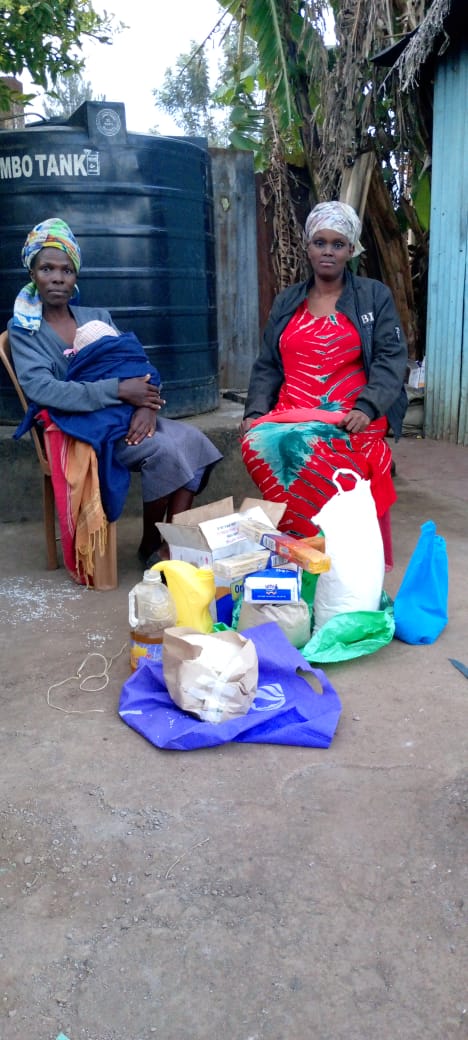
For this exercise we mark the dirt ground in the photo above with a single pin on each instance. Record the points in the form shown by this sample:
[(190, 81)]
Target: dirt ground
[(242, 893)]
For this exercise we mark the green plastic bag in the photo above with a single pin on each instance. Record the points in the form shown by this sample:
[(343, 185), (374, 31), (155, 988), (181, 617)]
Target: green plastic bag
[(351, 635)]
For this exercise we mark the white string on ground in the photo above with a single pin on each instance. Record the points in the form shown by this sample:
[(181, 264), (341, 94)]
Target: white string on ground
[(83, 680)]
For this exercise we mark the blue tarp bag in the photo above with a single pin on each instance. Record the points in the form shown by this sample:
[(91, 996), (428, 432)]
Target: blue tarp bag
[(286, 709), (421, 603)]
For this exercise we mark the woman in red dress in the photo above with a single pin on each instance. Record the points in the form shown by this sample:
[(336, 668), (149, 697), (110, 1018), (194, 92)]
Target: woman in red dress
[(328, 382)]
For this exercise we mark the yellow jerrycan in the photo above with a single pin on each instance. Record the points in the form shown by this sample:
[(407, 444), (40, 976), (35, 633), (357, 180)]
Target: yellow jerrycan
[(192, 589)]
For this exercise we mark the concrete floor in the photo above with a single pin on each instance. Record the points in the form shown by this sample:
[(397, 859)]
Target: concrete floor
[(243, 893)]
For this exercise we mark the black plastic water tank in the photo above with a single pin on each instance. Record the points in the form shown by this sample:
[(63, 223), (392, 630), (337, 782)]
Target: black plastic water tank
[(141, 207)]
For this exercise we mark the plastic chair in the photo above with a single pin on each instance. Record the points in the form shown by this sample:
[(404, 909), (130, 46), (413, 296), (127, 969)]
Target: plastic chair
[(105, 567)]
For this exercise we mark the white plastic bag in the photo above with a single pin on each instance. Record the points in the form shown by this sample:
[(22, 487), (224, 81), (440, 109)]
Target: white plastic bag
[(354, 542)]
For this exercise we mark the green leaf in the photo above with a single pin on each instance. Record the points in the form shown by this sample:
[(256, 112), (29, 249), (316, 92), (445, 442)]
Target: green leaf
[(244, 142), (46, 38), (422, 200), (248, 83)]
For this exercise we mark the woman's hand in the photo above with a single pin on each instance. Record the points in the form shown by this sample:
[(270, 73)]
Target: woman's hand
[(143, 424), (355, 421), (245, 427), (140, 392)]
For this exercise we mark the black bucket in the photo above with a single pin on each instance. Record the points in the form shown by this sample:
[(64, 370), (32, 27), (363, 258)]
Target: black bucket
[(141, 208)]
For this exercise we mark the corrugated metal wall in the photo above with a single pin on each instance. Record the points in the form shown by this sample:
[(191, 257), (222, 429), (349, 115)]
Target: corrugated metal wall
[(446, 396), (236, 264)]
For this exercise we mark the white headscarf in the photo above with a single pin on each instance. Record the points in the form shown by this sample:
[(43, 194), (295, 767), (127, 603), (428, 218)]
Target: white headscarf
[(335, 216)]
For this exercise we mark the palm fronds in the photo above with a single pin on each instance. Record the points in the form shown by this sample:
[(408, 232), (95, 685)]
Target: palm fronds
[(421, 44)]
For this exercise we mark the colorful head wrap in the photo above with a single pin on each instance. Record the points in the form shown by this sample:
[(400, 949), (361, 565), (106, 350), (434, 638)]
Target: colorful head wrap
[(53, 233), (335, 216)]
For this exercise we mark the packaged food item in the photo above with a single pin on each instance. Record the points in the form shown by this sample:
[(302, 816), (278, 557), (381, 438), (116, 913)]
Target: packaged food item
[(211, 675), (234, 567), (192, 589), (151, 609), (308, 553), (292, 618), (253, 526), (302, 551), (272, 585)]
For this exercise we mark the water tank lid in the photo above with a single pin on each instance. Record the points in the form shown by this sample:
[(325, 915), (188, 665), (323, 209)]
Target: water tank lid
[(104, 121)]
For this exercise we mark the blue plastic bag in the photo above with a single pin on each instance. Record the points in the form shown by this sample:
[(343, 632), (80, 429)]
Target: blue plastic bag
[(286, 709), (421, 603)]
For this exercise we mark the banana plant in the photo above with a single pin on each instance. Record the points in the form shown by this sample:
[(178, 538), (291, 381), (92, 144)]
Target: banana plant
[(282, 83)]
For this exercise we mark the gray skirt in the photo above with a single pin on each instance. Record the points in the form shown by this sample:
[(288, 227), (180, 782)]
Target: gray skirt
[(177, 455)]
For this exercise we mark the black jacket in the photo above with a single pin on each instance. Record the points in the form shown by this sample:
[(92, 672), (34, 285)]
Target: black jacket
[(369, 305)]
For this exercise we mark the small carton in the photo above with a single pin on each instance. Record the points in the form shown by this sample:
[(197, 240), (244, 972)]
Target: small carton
[(272, 585)]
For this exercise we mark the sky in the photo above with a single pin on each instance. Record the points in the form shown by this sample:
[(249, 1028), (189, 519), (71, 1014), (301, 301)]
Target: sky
[(130, 68)]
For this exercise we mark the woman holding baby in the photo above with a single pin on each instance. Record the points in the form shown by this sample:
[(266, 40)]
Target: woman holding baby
[(173, 458)]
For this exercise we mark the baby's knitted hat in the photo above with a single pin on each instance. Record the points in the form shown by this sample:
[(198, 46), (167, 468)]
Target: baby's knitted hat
[(90, 332)]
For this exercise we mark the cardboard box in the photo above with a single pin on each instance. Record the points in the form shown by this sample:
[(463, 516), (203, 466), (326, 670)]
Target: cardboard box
[(211, 532)]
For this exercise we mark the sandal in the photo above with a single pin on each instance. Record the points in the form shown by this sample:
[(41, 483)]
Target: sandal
[(157, 556)]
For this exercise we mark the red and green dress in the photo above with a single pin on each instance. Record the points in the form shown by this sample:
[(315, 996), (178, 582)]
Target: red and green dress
[(290, 453)]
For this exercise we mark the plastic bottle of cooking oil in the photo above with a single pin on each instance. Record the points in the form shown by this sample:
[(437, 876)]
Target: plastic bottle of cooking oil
[(192, 589), (151, 609)]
